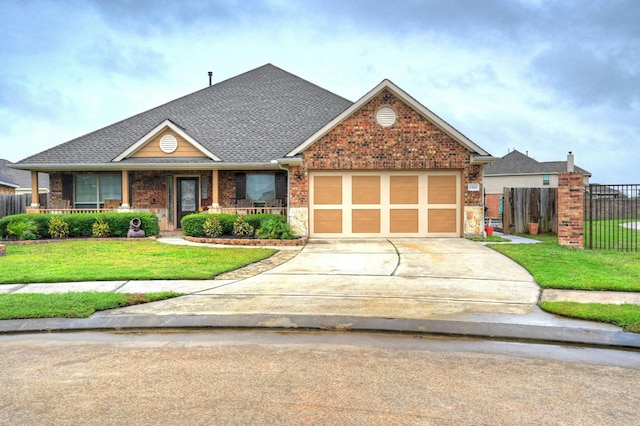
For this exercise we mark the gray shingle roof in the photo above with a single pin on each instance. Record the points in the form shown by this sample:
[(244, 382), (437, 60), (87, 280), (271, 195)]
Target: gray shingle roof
[(254, 117), (20, 178), (515, 163)]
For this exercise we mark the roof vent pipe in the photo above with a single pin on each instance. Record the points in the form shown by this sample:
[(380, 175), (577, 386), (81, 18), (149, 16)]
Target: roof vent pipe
[(570, 167), (210, 74)]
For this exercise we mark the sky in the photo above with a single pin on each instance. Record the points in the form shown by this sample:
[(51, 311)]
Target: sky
[(542, 77)]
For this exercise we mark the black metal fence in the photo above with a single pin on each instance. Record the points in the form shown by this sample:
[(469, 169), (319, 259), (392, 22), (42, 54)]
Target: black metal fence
[(612, 217)]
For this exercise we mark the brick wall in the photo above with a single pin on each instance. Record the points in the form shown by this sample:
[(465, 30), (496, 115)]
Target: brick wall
[(359, 143), (7, 190), (492, 203), (570, 206)]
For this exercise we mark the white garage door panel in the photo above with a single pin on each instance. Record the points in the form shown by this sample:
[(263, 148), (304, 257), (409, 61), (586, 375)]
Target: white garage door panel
[(385, 204)]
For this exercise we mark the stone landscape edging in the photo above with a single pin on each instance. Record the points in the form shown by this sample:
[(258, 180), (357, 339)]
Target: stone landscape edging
[(248, 241)]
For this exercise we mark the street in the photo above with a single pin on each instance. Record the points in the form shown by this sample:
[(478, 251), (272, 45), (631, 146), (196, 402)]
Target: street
[(297, 377)]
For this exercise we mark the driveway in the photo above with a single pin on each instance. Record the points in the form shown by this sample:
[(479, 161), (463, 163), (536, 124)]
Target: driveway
[(394, 278)]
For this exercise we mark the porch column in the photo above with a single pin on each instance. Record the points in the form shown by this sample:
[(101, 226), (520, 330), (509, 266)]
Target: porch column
[(35, 185), (125, 189), (215, 206)]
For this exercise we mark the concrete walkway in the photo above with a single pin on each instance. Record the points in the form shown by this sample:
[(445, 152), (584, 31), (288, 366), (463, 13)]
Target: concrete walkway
[(444, 286)]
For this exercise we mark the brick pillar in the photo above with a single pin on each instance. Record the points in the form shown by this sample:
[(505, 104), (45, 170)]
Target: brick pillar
[(570, 206)]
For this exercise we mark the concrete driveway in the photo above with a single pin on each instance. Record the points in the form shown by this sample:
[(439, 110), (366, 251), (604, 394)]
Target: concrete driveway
[(395, 278)]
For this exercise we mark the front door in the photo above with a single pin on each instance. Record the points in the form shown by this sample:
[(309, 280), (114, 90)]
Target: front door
[(187, 197)]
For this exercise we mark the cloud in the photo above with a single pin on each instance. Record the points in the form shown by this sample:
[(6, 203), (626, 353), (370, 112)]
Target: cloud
[(118, 58), (585, 78)]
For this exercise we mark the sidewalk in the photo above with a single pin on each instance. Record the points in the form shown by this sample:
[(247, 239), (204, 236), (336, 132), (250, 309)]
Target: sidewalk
[(437, 286)]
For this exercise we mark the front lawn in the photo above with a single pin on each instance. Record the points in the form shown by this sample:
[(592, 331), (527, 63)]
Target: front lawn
[(554, 266), (70, 305), (109, 260), (626, 316)]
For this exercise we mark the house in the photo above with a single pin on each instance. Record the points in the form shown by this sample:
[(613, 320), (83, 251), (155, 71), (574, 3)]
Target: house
[(598, 191), (7, 186), (14, 181), (517, 170), (382, 166)]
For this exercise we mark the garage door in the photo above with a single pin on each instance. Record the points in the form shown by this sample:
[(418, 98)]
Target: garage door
[(385, 204)]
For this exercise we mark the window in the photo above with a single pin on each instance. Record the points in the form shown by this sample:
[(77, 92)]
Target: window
[(545, 179), (261, 186), (91, 190)]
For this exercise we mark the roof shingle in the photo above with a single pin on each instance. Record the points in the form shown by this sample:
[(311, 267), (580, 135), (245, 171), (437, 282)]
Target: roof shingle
[(254, 117)]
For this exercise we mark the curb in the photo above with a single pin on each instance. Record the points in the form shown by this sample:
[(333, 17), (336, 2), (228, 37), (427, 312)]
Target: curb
[(486, 329)]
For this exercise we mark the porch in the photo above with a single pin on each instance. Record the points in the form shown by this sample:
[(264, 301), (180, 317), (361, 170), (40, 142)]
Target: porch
[(170, 195)]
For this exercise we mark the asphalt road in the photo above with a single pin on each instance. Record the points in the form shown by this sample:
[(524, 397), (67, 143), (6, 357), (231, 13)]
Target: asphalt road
[(294, 377)]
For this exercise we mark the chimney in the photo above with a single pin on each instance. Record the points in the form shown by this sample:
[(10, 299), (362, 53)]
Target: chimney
[(210, 74), (570, 167)]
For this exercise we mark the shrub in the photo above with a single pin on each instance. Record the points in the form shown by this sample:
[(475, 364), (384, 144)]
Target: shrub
[(21, 227), (81, 224), (256, 220), (58, 228), (192, 225), (242, 228), (273, 228), (100, 228), (28, 235), (212, 227)]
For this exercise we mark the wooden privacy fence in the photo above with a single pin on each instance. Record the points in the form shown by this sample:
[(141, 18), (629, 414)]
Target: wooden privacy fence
[(529, 205), (16, 204)]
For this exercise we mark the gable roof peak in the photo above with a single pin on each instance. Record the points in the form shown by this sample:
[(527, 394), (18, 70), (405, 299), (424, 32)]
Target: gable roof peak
[(387, 84)]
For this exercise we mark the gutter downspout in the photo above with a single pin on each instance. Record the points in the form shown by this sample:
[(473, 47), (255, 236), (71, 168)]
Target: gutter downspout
[(288, 186)]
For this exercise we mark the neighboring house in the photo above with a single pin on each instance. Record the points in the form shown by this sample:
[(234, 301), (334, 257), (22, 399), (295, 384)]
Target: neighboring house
[(20, 179), (7, 186), (597, 191), (517, 170), (382, 166)]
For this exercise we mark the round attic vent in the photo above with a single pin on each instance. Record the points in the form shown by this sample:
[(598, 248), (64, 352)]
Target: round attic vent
[(168, 144), (386, 117)]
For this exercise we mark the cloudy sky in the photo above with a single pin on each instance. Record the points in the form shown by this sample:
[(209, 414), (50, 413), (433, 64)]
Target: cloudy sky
[(543, 77)]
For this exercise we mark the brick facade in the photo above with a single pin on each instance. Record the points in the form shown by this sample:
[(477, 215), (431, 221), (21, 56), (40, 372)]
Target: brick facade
[(571, 209), (492, 204), (359, 143), (7, 190)]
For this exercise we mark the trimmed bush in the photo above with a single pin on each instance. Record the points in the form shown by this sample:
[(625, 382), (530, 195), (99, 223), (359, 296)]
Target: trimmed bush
[(81, 224), (192, 225)]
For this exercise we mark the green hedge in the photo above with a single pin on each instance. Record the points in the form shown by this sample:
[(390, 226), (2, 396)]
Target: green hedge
[(192, 224), (80, 224)]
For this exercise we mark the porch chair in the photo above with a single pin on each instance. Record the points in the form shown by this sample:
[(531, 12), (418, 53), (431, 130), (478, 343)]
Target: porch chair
[(60, 206), (273, 206), (243, 206), (111, 205)]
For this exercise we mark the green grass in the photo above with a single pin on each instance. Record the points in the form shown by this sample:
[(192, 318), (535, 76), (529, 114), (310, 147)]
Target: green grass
[(120, 260), (610, 234), (626, 316), (553, 266), (490, 239), (70, 305)]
